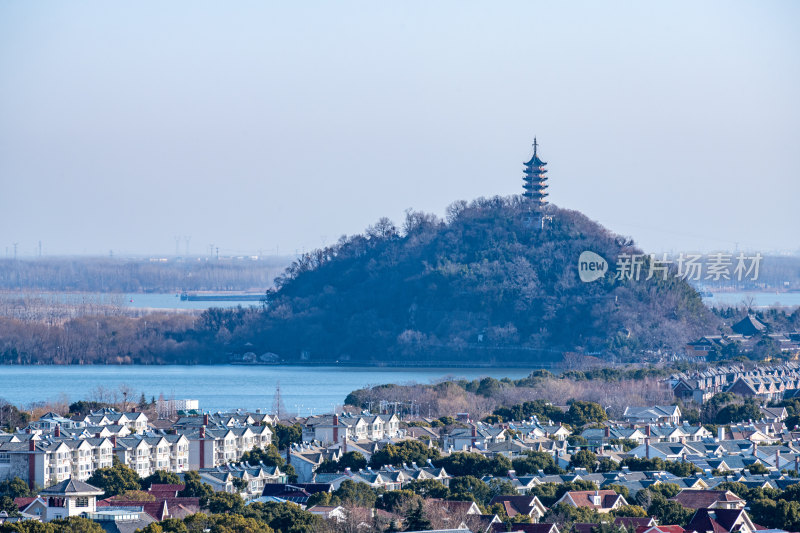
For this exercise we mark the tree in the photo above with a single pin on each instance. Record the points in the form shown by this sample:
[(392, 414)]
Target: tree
[(28, 526), (619, 489), (532, 462), (416, 519), (7, 504), (398, 501), (581, 413), (174, 525), (284, 517), (465, 463), (501, 487), (669, 512), (667, 490), (352, 460), (15, 488), (607, 465), (115, 479), (577, 440), (780, 514), (283, 435), (630, 511), (428, 488), (627, 444), (136, 495), (236, 523), (323, 498), (584, 459), (358, 494), (469, 488), (224, 502), (194, 486), (541, 409), (406, 451), (160, 477), (564, 515), (76, 524), (758, 468), (11, 417), (549, 493)]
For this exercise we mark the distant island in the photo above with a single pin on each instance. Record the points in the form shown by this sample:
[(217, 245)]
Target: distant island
[(489, 284)]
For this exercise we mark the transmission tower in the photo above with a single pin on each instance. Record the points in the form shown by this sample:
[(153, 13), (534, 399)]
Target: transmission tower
[(278, 409)]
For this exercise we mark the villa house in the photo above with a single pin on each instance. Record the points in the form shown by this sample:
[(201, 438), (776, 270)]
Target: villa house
[(708, 499), (67, 498), (242, 479), (670, 414), (334, 429), (136, 422), (219, 445), (521, 505), (602, 501), (50, 421), (479, 436), (721, 521)]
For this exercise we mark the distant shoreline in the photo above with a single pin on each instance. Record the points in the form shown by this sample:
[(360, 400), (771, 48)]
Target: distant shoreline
[(437, 364)]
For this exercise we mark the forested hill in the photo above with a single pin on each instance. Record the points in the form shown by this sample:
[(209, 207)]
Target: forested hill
[(487, 284)]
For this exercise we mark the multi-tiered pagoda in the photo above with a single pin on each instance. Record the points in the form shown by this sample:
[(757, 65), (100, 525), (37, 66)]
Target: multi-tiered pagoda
[(535, 181)]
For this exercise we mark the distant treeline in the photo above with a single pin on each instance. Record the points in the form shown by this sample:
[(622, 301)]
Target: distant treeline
[(775, 272), (158, 338), (92, 274)]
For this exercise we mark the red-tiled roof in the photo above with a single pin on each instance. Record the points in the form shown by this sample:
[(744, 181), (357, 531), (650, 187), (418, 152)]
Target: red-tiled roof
[(657, 529), (585, 498), (703, 499), (163, 487), (22, 503)]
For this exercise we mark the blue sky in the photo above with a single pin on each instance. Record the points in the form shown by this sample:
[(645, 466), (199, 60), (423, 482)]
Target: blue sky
[(281, 126)]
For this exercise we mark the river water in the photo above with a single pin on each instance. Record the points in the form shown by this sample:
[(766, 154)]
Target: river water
[(304, 389)]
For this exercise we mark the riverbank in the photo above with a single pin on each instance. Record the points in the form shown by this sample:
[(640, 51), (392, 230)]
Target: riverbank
[(304, 389)]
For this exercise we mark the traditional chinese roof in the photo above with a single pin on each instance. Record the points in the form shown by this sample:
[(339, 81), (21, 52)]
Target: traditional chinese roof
[(749, 325)]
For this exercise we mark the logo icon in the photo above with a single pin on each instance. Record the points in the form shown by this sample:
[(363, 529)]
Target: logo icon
[(591, 266)]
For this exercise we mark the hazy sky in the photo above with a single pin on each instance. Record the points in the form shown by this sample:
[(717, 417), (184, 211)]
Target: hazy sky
[(256, 125)]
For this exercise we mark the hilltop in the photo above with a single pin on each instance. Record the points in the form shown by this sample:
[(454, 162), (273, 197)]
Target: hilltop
[(486, 285)]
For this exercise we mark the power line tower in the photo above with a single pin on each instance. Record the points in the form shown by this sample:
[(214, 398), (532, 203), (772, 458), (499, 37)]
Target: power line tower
[(278, 408)]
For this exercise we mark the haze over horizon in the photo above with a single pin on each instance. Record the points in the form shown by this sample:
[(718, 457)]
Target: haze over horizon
[(275, 128)]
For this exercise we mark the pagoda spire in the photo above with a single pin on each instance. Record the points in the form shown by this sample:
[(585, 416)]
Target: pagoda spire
[(535, 180)]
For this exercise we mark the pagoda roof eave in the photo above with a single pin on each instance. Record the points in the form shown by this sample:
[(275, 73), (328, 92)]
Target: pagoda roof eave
[(535, 161)]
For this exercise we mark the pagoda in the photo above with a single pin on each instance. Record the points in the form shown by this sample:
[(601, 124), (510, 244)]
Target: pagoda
[(535, 181)]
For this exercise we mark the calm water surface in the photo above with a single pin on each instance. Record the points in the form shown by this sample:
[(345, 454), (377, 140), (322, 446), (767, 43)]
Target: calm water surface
[(305, 390)]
